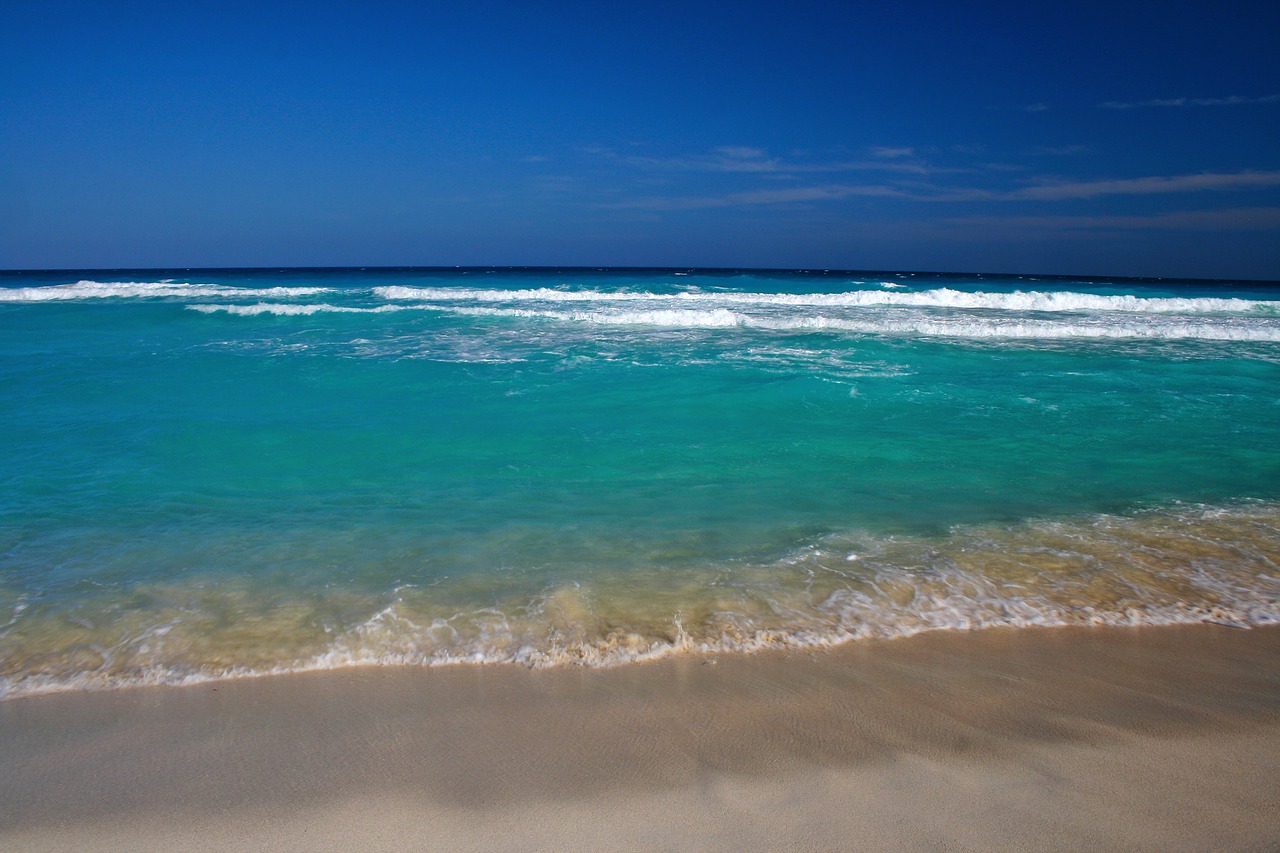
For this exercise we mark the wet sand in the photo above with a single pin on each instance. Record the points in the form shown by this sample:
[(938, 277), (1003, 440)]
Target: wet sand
[(1054, 739)]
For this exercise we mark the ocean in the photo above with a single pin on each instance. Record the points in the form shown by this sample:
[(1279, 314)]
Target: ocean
[(221, 473)]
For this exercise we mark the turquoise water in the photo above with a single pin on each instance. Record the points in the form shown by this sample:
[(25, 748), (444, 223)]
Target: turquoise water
[(211, 472)]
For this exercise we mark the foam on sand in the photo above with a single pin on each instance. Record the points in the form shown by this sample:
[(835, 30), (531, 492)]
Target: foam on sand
[(1183, 565)]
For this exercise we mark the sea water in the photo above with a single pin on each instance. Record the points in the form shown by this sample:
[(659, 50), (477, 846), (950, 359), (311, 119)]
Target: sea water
[(209, 473)]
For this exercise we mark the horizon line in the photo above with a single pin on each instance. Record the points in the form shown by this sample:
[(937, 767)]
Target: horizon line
[(627, 268)]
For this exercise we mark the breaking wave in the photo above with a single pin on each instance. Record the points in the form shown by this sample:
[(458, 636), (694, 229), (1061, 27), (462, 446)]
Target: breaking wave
[(1058, 301), (147, 289), (930, 325), (1185, 565), (287, 310)]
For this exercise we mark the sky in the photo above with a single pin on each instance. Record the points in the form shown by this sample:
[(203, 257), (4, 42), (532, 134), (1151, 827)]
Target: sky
[(1081, 138)]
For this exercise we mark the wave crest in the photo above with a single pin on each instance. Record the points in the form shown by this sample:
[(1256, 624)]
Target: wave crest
[(148, 290), (294, 310), (954, 326), (1054, 301)]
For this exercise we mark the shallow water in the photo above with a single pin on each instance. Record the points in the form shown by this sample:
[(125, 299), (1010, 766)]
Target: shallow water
[(217, 472)]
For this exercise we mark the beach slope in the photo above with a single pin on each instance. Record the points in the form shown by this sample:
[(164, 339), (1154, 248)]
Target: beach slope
[(1136, 739)]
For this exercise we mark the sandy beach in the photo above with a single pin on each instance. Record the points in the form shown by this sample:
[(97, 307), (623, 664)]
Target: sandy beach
[(1142, 739), (579, 426)]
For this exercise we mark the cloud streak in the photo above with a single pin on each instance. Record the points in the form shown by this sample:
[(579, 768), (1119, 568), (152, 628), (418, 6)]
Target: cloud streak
[(1145, 186), (793, 195), (1047, 192), (1231, 219), (890, 153), (1233, 100), (744, 159)]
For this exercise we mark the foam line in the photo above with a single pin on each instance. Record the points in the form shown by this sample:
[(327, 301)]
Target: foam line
[(1055, 301), (147, 289), (1225, 329), (285, 309)]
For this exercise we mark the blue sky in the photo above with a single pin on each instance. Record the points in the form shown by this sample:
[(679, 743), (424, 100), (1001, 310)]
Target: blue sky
[(1001, 137)]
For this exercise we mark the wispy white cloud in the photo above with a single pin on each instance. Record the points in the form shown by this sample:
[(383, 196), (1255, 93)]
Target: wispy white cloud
[(743, 160), (1060, 150), (791, 195), (740, 152), (1232, 219), (1145, 186), (929, 192), (1035, 108), (1232, 100), (555, 183), (749, 159), (896, 173)]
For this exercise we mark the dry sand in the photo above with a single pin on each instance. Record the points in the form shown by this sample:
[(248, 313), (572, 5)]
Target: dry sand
[(1057, 739)]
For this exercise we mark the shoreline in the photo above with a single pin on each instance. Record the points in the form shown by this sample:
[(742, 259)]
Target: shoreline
[(1146, 738)]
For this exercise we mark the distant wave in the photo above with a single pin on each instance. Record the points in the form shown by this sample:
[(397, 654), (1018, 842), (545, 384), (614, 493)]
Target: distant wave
[(962, 326), (285, 309), (710, 306), (147, 289), (1055, 301), (684, 313)]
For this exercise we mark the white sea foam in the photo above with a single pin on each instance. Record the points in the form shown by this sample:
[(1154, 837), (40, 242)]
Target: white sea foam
[(1054, 301), (670, 313), (714, 318), (286, 309), (961, 601), (148, 289), (956, 326), (537, 294)]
